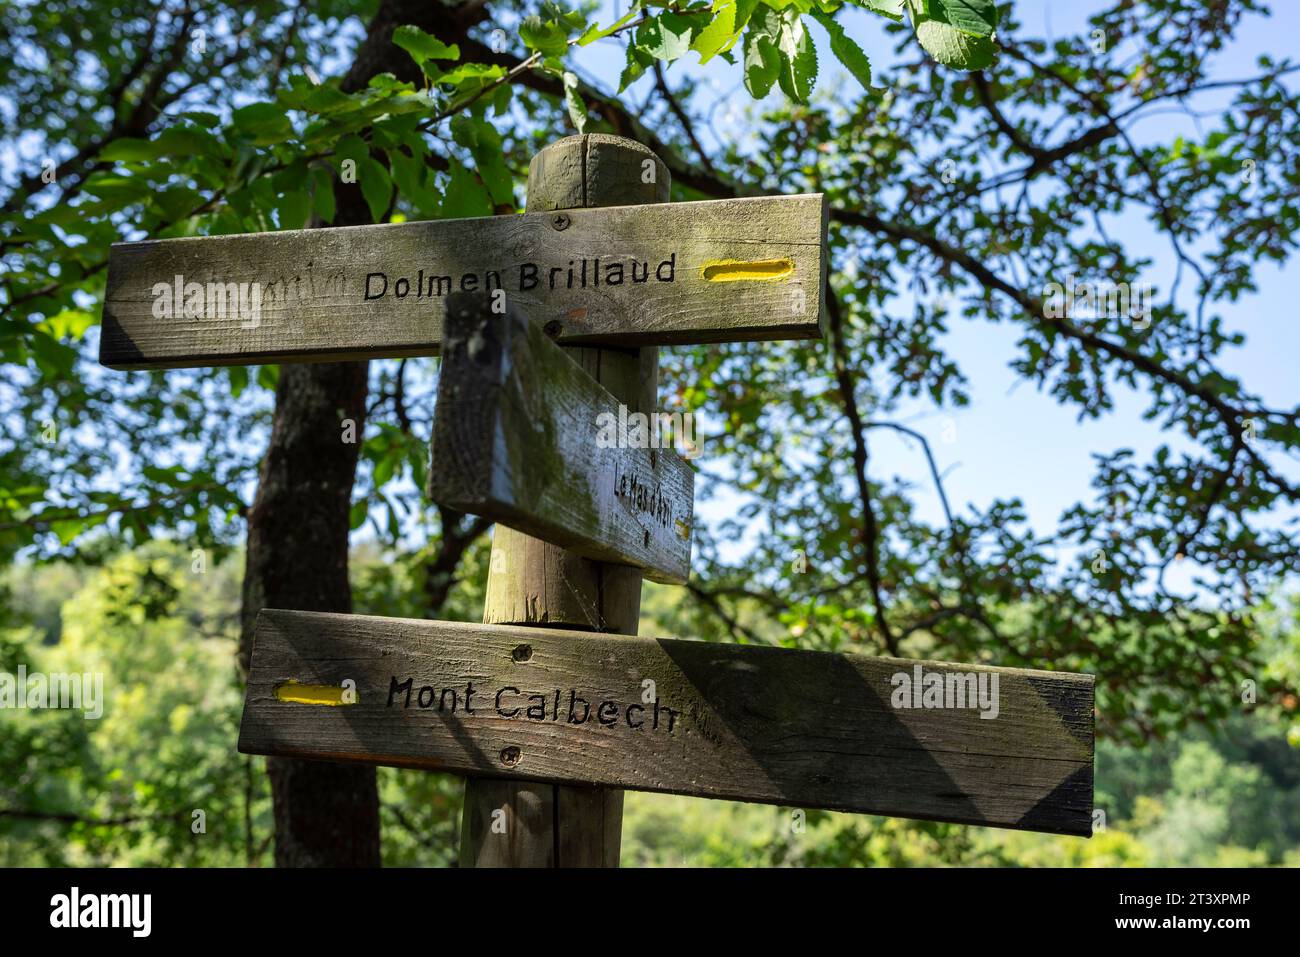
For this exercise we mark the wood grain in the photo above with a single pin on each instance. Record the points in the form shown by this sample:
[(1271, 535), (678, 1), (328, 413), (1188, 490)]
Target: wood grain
[(323, 298), (517, 439), (748, 723), (532, 582)]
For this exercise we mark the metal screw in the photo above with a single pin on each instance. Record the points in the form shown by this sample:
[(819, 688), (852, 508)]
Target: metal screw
[(553, 328), (522, 653), (560, 220), (510, 756)]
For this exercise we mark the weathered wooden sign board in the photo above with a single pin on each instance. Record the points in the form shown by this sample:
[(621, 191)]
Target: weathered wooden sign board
[(517, 439), (977, 745), (717, 270)]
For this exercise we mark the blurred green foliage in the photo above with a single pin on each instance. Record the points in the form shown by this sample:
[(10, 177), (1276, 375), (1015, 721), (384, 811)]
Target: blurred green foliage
[(161, 622)]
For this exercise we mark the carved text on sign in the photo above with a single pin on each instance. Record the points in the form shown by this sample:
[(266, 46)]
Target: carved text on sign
[(526, 276), (556, 705)]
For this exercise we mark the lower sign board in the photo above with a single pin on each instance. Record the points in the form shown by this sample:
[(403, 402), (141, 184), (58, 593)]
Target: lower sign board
[(965, 743)]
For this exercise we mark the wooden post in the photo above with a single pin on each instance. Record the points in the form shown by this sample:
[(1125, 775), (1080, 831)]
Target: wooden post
[(535, 583)]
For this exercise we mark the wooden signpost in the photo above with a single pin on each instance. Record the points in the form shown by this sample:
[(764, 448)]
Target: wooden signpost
[(514, 440), (546, 322)]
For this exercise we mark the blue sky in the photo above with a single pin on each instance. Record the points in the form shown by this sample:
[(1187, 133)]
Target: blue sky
[(1012, 440)]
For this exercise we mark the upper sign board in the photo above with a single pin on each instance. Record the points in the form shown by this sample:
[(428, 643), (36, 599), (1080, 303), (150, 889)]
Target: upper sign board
[(712, 271)]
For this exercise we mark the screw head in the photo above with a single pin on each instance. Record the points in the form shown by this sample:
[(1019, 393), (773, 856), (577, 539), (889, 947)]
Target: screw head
[(522, 653), (510, 756), (553, 328), (560, 220)]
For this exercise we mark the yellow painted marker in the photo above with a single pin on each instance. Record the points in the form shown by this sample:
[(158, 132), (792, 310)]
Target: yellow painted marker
[(738, 270), (329, 695)]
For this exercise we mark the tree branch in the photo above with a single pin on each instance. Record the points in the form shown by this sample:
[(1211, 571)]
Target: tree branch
[(682, 118), (870, 528)]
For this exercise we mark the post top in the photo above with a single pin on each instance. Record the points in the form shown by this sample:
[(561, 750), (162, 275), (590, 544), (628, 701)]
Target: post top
[(595, 169), (600, 140)]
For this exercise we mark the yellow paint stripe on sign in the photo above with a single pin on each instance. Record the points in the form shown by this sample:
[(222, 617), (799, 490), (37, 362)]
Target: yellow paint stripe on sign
[(298, 693), (738, 270)]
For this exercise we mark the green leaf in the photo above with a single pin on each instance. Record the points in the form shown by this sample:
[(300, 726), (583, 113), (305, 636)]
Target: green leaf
[(128, 150), (886, 8), (177, 202), (411, 178), (54, 359), (302, 94), (846, 49), (472, 71), (389, 85), (637, 62), (68, 324), (121, 189), (67, 529), (210, 120), (351, 147), (953, 48), (238, 380), (470, 80), (762, 58), (357, 514), (191, 141), (424, 46), (979, 18), (376, 186), (466, 195), (293, 208), (668, 36), (394, 527), (500, 98), (594, 32), (722, 33), (263, 123), (171, 476), (577, 109), (322, 188), (417, 458), (547, 36), (798, 57), (60, 214), (484, 143), (385, 467)]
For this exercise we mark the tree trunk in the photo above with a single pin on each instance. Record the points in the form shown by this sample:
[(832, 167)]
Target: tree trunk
[(326, 815)]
